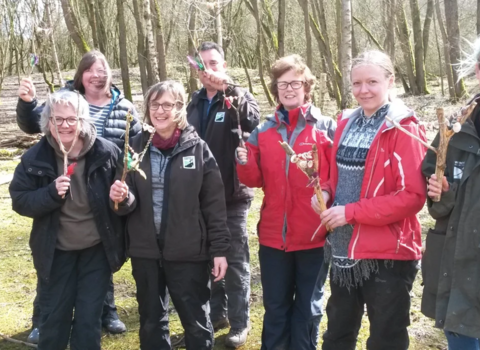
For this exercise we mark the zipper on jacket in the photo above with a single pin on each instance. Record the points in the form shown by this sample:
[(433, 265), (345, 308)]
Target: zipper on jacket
[(366, 192), (398, 246)]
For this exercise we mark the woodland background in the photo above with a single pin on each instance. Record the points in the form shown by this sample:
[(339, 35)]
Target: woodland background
[(146, 41)]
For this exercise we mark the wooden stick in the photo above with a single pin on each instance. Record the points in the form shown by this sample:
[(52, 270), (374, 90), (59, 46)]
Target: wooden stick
[(11, 340), (318, 190), (445, 136), (129, 118), (401, 128)]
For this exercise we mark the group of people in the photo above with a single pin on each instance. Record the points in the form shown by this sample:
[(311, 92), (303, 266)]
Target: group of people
[(181, 216)]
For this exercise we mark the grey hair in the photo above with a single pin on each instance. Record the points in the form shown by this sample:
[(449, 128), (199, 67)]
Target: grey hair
[(178, 92), (65, 97), (466, 66)]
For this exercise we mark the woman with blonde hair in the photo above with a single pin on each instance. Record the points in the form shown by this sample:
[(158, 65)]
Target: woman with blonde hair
[(376, 188), (176, 222), (451, 263), (291, 262)]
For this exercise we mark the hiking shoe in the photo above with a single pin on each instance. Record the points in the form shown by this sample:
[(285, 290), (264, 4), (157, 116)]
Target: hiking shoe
[(33, 336), (220, 324), (236, 337), (115, 326)]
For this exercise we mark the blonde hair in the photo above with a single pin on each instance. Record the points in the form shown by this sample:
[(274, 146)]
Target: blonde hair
[(467, 65), (298, 65), (178, 92), (379, 59), (65, 97)]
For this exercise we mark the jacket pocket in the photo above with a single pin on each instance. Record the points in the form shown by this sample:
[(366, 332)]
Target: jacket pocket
[(396, 233)]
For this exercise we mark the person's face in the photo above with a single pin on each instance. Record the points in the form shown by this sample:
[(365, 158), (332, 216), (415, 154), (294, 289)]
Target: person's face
[(67, 123), (370, 87), (162, 112), (95, 78), (291, 89), (213, 61), (477, 72)]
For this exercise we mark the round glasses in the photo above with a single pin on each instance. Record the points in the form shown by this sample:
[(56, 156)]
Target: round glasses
[(71, 121), (166, 106), (296, 84)]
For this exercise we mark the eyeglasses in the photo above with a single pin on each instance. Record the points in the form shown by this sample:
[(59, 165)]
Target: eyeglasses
[(296, 84), (165, 106), (71, 121)]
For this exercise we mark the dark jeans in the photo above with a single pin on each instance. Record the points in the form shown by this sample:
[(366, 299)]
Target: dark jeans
[(109, 312), (189, 287), (292, 296), (461, 342), (78, 281), (387, 296), (231, 296)]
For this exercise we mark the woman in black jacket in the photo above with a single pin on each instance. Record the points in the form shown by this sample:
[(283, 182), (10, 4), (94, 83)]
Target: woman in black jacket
[(176, 222), (76, 240), (108, 110)]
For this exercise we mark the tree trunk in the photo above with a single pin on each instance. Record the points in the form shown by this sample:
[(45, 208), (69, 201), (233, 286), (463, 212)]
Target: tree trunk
[(453, 31), (102, 32), (420, 76), (122, 43), (162, 61), (257, 15), (192, 82), (390, 40), (308, 35), (281, 28), (478, 17), (218, 21), (354, 44), (92, 20), (426, 27), (73, 27), (151, 52), (346, 52), (141, 51), (439, 55), (48, 14), (446, 53), (403, 36)]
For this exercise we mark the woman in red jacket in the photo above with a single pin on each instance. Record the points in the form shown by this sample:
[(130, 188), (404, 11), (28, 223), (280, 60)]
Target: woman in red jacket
[(289, 260), (375, 242)]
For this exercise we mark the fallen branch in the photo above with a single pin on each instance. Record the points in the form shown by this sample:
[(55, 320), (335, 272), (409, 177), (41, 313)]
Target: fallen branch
[(11, 340)]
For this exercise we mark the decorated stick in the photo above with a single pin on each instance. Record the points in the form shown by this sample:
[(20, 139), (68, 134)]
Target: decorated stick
[(318, 190), (447, 128), (198, 64), (33, 62), (126, 155)]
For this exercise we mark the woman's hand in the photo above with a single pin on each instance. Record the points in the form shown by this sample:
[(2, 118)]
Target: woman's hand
[(334, 217), (118, 191), (26, 90), (62, 184), (242, 154), (219, 268), (434, 187), (314, 202)]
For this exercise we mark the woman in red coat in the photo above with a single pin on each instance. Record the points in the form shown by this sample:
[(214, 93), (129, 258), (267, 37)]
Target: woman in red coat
[(290, 261)]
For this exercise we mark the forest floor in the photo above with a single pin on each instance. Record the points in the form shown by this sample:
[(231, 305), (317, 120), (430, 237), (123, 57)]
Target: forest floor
[(18, 277)]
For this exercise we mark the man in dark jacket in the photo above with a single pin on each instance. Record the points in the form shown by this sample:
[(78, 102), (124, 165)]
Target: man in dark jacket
[(217, 124)]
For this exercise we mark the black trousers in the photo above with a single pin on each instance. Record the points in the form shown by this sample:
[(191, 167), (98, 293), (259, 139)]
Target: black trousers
[(109, 312), (78, 281), (387, 296), (188, 285)]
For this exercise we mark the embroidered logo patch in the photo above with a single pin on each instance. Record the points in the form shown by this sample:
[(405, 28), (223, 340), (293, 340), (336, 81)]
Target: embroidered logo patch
[(189, 162), (458, 170), (220, 117)]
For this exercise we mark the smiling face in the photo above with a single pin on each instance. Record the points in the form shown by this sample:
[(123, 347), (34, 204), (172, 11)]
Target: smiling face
[(370, 86), (95, 78), (67, 130), (162, 119), (291, 98)]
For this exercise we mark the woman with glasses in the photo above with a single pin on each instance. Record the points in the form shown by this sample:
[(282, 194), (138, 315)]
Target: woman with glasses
[(176, 222), (377, 188), (76, 240), (108, 109), (290, 260)]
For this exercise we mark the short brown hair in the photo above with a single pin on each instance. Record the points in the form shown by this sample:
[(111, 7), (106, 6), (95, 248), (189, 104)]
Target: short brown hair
[(297, 64), (178, 92), (85, 63)]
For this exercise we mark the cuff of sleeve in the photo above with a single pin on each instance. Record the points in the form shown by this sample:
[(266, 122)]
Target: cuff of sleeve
[(128, 201), (52, 189), (349, 213), (232, 90)]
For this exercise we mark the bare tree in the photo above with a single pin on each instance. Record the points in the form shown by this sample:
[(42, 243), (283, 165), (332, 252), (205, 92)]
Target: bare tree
[(74, 27), (48, 15), (426, 27), (141, 50), (420, 76), (281, 28), (122, 43), (162, 61), (346, 52), (446, 51)]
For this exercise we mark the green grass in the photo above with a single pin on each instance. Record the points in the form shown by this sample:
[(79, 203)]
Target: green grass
[(18, 281)]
